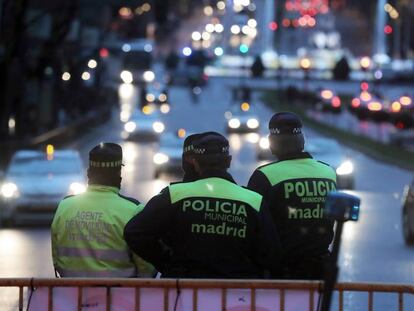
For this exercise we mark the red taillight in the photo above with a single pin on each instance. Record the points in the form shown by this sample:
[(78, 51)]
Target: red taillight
[(400, 125), (364, 86), (355, 103), (336, 102), (205, 77)]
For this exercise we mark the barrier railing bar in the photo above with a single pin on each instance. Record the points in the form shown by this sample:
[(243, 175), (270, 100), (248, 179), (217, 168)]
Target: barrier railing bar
[(341, 300), (282, 300), (195, 298), (253, 299), (311, 297), (137, 299), (370, 301), (400, 301), (223, 299), (108, 298), (166, 297), (191, 283), (20, 298), (80, 298), (50, 299)]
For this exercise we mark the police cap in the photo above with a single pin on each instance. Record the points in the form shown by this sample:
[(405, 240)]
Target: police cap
[(211, 144), (106, 155), (188, 146), (285, 123)]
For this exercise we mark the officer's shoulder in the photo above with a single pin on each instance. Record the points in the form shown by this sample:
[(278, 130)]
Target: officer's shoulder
[(324, 163), (264, 166), (132, 200)]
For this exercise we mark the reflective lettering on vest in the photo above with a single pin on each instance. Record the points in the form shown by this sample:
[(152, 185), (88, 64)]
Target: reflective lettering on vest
[(305, 213), (313, 188), (222, 229), (216, 207)]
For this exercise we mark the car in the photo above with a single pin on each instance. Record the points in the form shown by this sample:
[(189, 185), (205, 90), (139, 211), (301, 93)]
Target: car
[(35, 182), (241, 119), (168, 157), (322, 149), (328, 101), (143, 125), (155, 94), (408, 214), (401, 112), (137, 59)]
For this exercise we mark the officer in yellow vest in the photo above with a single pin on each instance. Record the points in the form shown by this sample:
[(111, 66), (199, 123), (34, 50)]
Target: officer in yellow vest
[(208, 228), (295, 188), (87, 229)]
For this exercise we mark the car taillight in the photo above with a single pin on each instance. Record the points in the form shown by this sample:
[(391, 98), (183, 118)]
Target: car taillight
[(355, 103), (336, 102)]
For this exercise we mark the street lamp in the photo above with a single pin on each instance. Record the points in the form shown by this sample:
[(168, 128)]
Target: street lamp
[(305, 64)]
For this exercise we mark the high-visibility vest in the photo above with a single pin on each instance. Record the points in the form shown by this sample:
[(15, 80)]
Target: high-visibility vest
[(87, 234)]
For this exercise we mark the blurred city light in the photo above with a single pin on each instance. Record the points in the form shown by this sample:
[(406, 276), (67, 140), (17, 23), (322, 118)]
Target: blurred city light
[(244, 48), (252, 23), (336, 102), (305, 63), (187, 51), (125, 12), (272, 26), (206, 35), (150, 98), (86, 76), (355, 103), (365, 62), (326, 94), (235, 29), (126, 76), (66, 76), (148, 48), (165, 108), (396, 107), (210, 27), (364, 86), (245, 106), (196, 36), (375, 106), (219, 28), (405, 100), (148, 76), (245, 29), (103, 52), (158, 127), (92, 63), (252, 123), (218, 51), (181, 133), (130, 126), (221, 5), (126, 91), (388, 30), (146, 7), (378, 74), (208, 10), (126, 47)]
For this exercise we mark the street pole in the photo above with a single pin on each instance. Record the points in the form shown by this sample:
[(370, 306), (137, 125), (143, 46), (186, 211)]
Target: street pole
[(380, 40)]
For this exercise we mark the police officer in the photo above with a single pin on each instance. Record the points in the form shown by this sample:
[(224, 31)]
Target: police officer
[(295, 188), (209, 228), (87, 229)]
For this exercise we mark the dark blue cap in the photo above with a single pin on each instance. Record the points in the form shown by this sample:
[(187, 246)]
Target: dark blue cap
[(286, 122), (106, 155), (211, 143)]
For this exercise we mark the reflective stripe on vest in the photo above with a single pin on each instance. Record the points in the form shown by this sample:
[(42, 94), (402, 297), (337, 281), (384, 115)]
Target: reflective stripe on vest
[(103, 254), (119, 273)]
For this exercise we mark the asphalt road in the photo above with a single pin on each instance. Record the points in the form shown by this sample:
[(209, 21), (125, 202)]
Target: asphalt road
[(373, 249)]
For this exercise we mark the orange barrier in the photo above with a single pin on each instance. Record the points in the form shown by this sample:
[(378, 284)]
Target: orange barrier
[(252, 287)]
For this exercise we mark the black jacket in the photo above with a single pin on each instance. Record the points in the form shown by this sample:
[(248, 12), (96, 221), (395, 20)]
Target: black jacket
[(210, 228), (295, 189)]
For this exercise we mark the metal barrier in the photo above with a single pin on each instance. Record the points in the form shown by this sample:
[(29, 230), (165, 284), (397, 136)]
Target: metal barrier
[(194, 285)]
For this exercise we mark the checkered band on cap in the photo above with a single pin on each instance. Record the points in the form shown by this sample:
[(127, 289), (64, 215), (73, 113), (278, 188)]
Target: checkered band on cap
[(110, 164)]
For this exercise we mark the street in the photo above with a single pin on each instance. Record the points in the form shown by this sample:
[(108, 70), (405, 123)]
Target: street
[(373, 249)]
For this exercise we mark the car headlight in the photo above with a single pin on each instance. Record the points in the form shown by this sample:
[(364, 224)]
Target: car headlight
[(234, 123), (160, 158), (264, 143), (148, 76), (76, 188), (345, 168), (9, 190), (165, 108), (252, 123), (127, 77), (158, 127), (150, 97), (130, 126), (162, 97)]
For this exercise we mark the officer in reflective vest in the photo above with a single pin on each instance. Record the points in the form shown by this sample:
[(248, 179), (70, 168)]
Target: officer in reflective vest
[(209, 228), (295, 188), (87, 229)]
